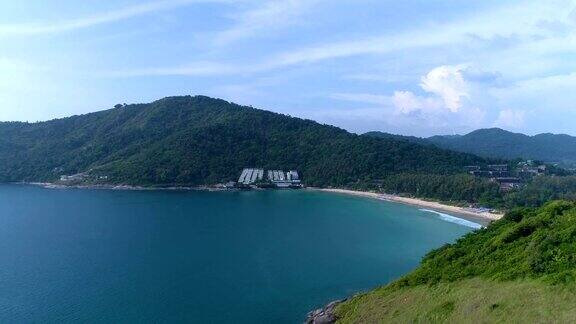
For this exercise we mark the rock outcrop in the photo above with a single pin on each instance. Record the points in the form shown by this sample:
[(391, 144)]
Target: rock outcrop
[(324, 315)]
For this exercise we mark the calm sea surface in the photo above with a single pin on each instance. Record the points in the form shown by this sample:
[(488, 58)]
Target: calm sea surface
[(223, 257)]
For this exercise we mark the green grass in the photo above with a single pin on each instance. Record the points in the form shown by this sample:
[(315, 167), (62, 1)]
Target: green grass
[(521, 269), (467, 301), (525, 244)]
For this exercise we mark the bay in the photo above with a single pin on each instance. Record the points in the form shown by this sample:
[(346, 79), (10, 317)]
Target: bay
[(80, 255)]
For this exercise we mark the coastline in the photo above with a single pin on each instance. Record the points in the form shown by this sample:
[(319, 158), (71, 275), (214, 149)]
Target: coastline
[(49, 185), (466, 213), (471, 214)]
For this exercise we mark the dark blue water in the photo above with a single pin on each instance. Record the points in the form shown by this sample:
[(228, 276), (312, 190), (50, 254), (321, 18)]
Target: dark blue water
[(226, 257)]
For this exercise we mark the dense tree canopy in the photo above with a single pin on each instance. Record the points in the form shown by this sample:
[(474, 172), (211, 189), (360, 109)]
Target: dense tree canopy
[(188, 141), (498, 143), (449, 188), (200, 140), (541, 190)]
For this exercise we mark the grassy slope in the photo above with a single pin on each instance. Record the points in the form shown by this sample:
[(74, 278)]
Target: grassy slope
[(467, 301), (520, 269)]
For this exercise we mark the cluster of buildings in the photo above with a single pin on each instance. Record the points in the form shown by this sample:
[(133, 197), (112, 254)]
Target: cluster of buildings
[(250, 176), (530, 168), (506, 179), (498, 173), (82, 177), (492, 171), (74, 177), (269, 179)]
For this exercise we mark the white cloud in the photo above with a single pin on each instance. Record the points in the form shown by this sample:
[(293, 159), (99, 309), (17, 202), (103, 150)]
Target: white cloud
[(441, 106), (550, 95), (363, 98), (406, 102), (447, 87), (562, 83), (510, 118), (496, 22), (368, 77), (195, 69), (519, 21), (271, 16), (29, 29), (448, 83), (572, 16)]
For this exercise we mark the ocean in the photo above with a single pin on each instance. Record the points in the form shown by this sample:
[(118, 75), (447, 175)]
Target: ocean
[(110, 256)]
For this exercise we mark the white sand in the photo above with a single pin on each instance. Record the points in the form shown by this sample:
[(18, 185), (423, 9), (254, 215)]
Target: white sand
[(420, 203)]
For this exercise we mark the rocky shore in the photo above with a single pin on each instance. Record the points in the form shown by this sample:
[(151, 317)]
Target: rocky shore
[(50, 185), (324, 315)]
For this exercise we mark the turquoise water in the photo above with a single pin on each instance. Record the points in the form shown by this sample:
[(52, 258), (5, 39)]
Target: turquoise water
[(224, 257)]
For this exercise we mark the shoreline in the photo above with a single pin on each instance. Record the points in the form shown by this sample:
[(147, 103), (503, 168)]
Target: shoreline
[(465, 213), (470, 214), (49, 185)]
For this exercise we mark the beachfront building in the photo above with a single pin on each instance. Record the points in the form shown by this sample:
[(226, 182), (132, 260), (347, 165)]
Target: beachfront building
[(293, 176), (274, 178), (250, 176)]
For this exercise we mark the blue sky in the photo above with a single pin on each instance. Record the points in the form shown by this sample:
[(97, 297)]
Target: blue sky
[(407, 67)]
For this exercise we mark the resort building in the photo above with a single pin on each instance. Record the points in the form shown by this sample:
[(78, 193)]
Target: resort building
[(498, 167), (292, 176), (250, 176), (274, 179), (508, 183)]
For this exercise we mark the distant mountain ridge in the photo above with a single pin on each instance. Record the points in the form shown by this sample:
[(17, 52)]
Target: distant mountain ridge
[(200, 141), (499, 143)]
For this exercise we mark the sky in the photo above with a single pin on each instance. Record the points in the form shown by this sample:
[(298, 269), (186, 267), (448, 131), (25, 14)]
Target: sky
[(406, 67)]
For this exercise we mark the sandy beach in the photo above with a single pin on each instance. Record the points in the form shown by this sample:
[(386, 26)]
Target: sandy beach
[(468, 213)]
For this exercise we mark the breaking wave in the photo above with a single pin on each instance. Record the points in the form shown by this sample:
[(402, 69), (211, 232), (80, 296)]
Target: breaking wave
[(453, 219)]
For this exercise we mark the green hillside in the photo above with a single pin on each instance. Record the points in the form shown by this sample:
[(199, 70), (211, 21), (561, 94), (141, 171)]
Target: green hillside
[(200, 140), (413, 139), (497, 143), (521, 269)]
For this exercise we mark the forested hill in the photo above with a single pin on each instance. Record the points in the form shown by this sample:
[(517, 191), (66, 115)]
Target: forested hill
[(413, 139), (200, 140), (498, 143)]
